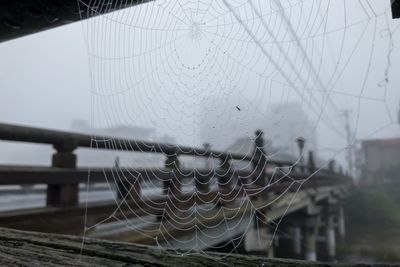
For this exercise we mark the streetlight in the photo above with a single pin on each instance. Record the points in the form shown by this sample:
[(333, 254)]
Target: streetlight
[(300, 144)]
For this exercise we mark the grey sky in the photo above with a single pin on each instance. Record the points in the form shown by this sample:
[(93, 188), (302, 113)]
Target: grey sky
[(111, 70)]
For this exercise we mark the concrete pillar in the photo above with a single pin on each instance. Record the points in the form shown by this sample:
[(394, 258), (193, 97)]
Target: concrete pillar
[(311, 243), (330, 237), (273, 241), (271, 251), (311, 231), (260, 238), (297, 240), (341, 224)]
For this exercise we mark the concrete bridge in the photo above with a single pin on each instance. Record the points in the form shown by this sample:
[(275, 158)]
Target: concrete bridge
[(299, 205)]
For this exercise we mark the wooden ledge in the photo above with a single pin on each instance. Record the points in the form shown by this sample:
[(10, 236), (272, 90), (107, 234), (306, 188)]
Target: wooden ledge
[(20, 248)]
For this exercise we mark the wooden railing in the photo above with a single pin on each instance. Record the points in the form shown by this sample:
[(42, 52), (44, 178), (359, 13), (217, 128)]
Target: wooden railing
[(63, 177)]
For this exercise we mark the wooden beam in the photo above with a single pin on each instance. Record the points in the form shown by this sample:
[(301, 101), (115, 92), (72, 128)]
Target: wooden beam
[(26, 175), (23, 175), (395, 8), (20, 248), (35, 135), (23, 17)]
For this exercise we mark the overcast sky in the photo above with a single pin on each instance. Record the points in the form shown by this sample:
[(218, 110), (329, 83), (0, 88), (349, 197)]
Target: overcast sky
[(173, 67)]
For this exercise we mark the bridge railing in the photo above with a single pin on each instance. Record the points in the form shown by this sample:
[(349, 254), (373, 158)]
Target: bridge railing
[(63, 177)]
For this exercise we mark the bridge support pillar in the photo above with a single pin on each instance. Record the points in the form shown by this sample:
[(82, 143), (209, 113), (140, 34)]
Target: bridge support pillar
[(341, 224), (296, 240), (65, 194), (311, 232), (260, 238), (330, 237), (311, 251)]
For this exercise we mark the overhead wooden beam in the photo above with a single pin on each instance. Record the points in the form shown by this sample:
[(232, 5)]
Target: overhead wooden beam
[(23, 17), (395, 9)]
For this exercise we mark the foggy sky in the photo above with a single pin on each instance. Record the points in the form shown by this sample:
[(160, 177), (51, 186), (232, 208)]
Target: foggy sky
[(51, 78)]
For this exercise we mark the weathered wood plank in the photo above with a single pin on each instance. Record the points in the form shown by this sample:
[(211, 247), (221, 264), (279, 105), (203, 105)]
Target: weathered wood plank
[(23, 17), (19, 248), (56, 138)]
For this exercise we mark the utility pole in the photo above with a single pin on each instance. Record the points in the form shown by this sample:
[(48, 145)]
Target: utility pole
[(346, 114), (398, 116)]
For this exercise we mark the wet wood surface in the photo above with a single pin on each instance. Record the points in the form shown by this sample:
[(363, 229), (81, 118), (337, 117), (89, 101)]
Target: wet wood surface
[(20, 248)]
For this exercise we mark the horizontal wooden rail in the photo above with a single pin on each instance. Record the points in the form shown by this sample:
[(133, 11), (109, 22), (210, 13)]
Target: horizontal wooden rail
[(27, 175), (70, 141), (23, 17), (63, 178), (74, 140)]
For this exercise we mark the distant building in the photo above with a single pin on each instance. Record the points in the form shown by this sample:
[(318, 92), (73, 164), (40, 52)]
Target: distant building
[(245, 146), (223, 125), (379, 160), (286, 122)]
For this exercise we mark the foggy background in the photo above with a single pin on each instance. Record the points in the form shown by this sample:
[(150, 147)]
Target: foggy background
[(204, 87)]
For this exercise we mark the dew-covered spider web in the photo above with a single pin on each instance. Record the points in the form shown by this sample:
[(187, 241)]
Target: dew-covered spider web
[(208, 74)]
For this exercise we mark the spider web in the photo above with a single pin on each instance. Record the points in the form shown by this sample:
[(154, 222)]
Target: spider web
[(213, 72)]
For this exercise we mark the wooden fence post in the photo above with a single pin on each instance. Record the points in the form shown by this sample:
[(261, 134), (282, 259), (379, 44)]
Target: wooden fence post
[(62, 195), (202, 182), (259, 161), (124, 186), (172, 184), (172, 187)]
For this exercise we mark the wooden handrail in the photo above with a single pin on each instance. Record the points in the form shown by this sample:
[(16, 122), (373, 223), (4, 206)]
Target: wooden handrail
[(63, 177), (68, 140), (26, 175), (64, 140)]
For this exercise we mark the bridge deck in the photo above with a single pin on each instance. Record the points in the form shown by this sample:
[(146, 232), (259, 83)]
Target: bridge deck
[(157, 206), (19, 247)]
